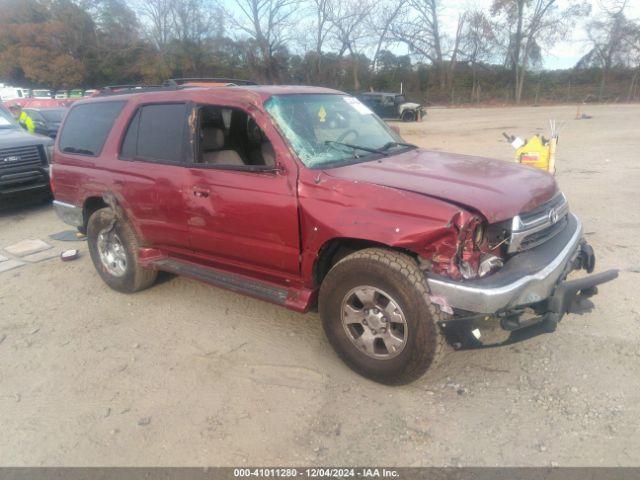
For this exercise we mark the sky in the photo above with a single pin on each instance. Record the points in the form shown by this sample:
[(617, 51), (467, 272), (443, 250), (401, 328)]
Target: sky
[(563, 54)]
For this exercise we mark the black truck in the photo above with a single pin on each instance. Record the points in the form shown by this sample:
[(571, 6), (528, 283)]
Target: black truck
[(24, 161)]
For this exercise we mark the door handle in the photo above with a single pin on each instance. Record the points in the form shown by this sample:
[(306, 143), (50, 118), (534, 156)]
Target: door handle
[(200, 192)]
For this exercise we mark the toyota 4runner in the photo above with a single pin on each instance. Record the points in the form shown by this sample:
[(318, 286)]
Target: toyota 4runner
[(301, 196)]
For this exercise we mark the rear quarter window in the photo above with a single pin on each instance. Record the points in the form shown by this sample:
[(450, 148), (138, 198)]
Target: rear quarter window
[(156, 133), (87, 127)]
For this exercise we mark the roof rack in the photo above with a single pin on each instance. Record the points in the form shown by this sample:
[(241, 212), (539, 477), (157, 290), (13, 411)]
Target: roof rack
[(124, 89), (201, 82), (171, 84)]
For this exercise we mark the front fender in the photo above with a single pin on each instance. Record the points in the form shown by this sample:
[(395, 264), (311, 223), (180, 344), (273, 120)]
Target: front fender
[(333, 208)]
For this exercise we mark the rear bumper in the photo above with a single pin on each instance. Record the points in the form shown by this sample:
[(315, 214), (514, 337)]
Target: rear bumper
[(528, 278), (68, 213)]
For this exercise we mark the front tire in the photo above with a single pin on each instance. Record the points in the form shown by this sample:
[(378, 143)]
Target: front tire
[(408, 116), (113, 247), (377, 315)]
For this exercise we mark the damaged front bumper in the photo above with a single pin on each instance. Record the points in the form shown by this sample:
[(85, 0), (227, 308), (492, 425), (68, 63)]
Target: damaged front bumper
[(535, 278)]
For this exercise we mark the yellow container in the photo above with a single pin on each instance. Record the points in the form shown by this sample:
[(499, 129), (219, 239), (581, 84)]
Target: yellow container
[(535, 153)]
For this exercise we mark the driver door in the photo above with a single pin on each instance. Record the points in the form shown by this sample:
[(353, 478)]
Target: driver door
[(243, 208)]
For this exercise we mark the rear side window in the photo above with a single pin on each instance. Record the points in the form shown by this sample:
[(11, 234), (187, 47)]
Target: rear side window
[(156, 133), (87, 127)]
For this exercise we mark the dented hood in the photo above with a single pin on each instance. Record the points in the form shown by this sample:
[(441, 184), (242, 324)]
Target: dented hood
[(498, 190)]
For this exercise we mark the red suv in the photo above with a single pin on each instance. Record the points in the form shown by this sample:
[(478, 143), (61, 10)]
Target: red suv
[(301, 196)]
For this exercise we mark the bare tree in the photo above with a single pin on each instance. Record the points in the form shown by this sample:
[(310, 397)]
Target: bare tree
[(350, 32), (478, 45), (634, 59), (419, 29), (539, 23), (196, 20), (384, 14), (267, 23), (610, 37), (455, 51), (322, 11), (158, 18)]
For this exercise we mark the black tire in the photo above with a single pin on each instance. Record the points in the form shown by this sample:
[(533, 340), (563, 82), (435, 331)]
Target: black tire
[(135, 278), (399, 275), (408, 116)]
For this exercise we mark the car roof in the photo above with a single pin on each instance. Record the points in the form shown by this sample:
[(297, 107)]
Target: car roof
[(45, 109), (254, 92)]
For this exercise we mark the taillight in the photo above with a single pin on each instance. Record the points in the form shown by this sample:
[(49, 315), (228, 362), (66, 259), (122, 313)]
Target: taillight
[(51, 182)]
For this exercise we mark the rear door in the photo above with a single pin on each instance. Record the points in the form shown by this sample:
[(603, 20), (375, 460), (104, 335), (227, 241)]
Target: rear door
[(153, 176)]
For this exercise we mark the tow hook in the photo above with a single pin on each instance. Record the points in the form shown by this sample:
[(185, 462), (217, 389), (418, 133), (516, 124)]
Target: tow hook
[(568, 292), (587, 257)]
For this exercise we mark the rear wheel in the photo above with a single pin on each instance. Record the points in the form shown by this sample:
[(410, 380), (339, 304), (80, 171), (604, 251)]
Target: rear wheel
[(113, 247), (377, 315)]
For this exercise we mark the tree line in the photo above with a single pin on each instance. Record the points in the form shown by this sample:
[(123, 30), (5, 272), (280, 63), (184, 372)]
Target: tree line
[(492, 55)]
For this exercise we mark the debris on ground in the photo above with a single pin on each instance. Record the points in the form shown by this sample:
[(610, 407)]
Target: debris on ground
[(68, 236), (27, 247), (10, 265), (40, 256), (69, 255), (144, 421), (582, 116)]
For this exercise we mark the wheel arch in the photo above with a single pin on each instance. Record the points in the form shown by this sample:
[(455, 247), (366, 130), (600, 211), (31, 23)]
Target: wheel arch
[(335, 249), (91, 205), (105, 200)]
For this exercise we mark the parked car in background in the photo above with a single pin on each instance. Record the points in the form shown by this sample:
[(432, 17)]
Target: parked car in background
[(393, 105), (61, 95), (46, 120), (76, 93), (303, 197), (12, 93), (91, 92), (42, 94), (24, 160)]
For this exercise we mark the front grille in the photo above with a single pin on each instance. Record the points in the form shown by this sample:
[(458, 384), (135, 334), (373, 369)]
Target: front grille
[(533, 228), (22, 168), (542, 236), (21, 157)]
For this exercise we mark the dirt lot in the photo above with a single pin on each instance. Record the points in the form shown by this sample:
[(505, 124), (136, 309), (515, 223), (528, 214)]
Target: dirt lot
[(188, 374)]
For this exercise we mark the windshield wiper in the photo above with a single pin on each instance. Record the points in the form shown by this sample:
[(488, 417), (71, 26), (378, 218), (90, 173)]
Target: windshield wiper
[(333, 143), (388, 145)]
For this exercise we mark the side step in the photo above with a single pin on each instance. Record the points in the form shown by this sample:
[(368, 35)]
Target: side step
[(237, 283)]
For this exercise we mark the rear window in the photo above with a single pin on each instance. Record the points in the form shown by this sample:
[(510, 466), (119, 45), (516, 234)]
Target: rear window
[(87, 127), (156, 133)]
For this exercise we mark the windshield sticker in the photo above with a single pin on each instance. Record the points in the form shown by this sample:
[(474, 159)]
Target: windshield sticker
[(360, 107), (322, 114), (4, 121)]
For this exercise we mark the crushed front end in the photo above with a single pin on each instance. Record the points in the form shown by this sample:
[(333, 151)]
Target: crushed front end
[(512, 274)]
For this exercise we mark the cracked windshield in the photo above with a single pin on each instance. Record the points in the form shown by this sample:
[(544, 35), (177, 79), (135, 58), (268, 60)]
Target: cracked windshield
[(329, 130)]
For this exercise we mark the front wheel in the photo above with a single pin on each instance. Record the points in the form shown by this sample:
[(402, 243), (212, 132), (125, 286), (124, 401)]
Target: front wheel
[(113, 247), (377, 315), (408, 116)]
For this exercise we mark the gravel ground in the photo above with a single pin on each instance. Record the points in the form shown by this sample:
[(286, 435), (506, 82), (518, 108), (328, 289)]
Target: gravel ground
[(188, 374)]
